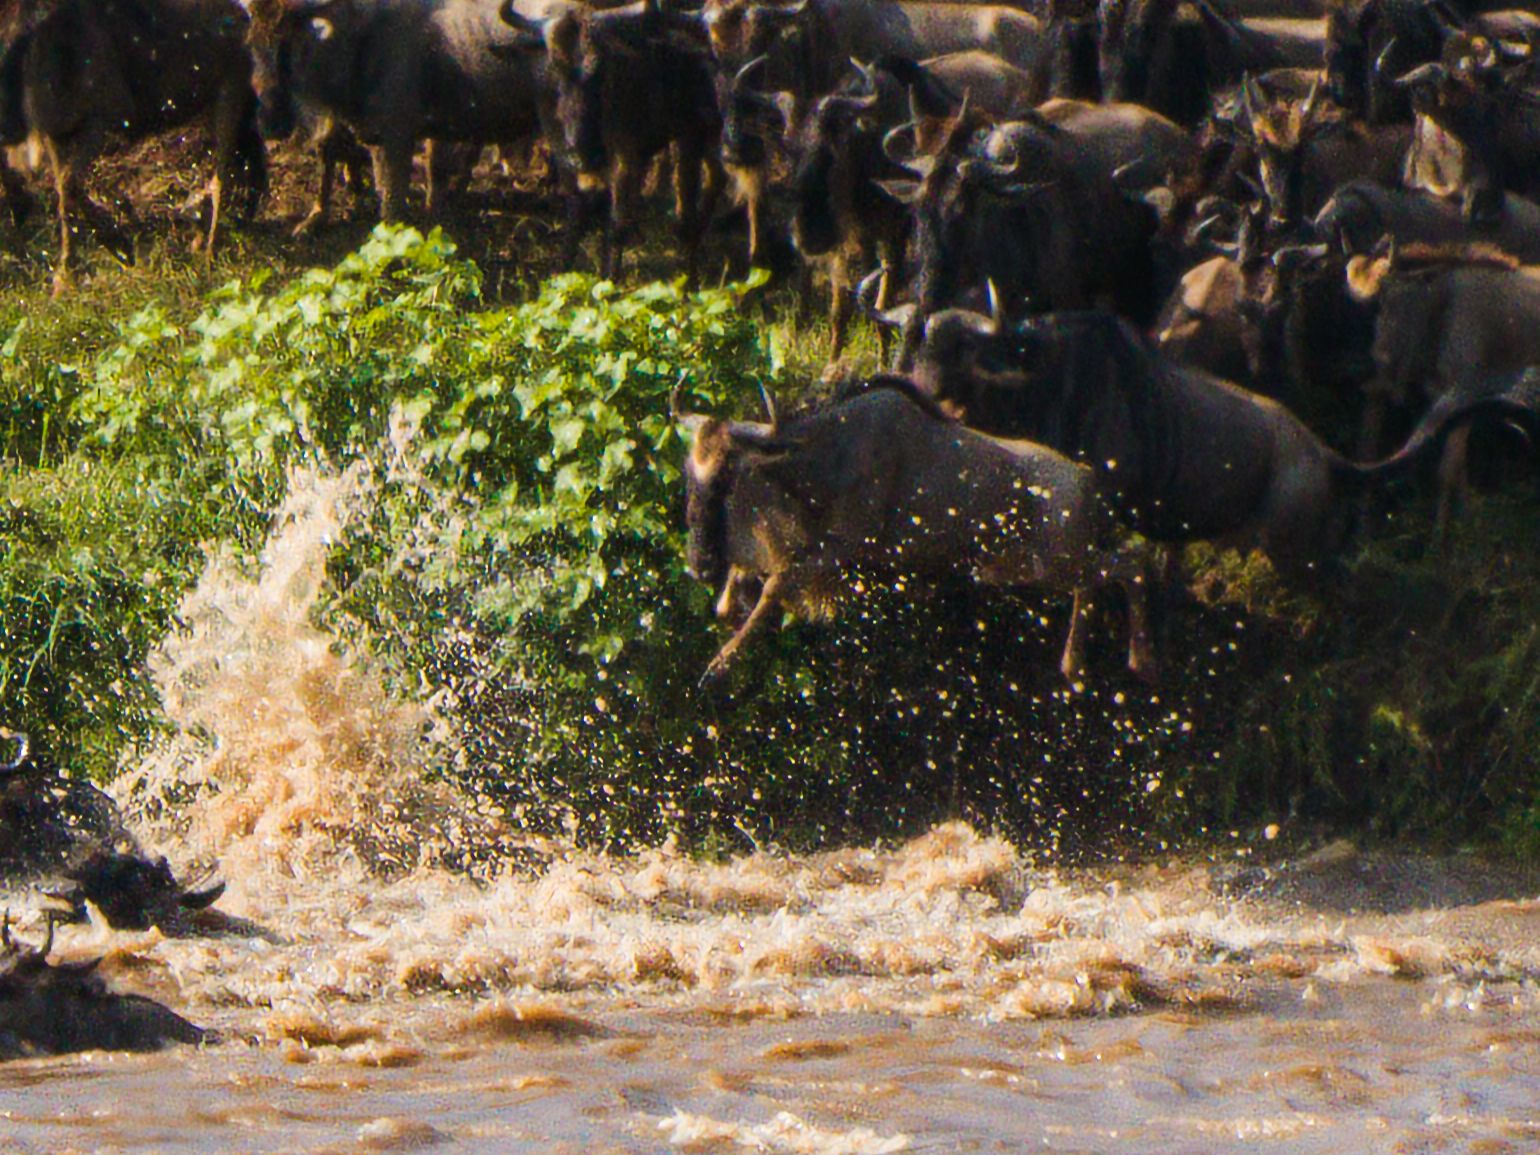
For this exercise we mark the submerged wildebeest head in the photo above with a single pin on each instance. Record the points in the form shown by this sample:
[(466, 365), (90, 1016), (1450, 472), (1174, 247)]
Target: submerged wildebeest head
[(55, 1010), (133, 893)]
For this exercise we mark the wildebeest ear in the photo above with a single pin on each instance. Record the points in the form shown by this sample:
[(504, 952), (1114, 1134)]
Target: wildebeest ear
[(1366, 276), (905, 192)]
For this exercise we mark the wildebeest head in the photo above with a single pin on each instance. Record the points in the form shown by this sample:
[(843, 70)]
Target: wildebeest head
[(1465, 95), (750, 116), (1279, 131), (133, 893), (719, 449), (965, 205), (740, 30), (1131, 35), (50, 1009), (828, 137), (1346, 54), (288, 38)]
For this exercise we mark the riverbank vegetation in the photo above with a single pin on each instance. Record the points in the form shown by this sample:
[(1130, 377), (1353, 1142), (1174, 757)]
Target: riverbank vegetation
[(516, 555)]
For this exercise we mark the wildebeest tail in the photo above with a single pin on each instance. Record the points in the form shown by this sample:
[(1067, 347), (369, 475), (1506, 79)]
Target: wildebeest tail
[(1447, 415)]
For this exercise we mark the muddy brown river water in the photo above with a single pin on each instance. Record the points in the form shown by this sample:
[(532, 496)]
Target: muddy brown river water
[(948, 994)]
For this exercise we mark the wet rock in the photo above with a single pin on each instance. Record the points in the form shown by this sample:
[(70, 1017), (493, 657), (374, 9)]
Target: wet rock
[(56, 1010)]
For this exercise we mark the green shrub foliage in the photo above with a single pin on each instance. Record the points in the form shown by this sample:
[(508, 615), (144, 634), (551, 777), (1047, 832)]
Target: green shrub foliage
[(518, 555)]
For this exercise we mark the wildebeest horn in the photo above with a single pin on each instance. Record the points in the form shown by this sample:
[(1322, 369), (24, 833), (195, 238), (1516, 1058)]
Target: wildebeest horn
[(1312, 100), (518, 21), (905, 158), (769, 400), (940, 326), (1423, 74), (1382, 61), (743, 73), (866, 301), (996, 309), (691, 421), (783, 11), (1290, 256), (23, 748), (200, 899), (1120, 174), (1252, 97)]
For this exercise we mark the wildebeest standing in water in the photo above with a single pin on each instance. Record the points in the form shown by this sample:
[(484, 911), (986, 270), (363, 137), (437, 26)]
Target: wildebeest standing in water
[(883, 480), (57, 1010), (86, 71)]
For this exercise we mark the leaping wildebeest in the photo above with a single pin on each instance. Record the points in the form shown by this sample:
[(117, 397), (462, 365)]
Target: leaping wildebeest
[(884, 481)]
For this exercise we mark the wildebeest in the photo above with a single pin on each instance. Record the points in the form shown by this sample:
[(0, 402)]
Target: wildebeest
[(1482, 131), (840, 211), (1450, 321), (87, 71), (396, 72), (1363, 212), (54, 827), (1181, 454), (775, 60), (881, 480), (1023, 207), (1305, 150), (631, 82), (59, 1009)]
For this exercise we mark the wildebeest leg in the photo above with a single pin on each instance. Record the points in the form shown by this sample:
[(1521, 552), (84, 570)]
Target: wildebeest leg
[(393, 176), (1131, 571), (840, 307), (18, 199), (230, 114), (69, 163), (1072, 663), (1453, 481), (626, 177), (769, 599), (687, 208)]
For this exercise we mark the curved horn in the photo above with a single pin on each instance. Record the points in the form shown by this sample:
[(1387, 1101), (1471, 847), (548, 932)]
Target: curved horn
[(996, 309), (1312, 100), (866, 300), (1291, 256), (869, 76), (1252, 97), (1423, 74), (921, 166), (941, 327), (518, 21), (743, 73), (769, 400), (23, 748), (1382, 61)]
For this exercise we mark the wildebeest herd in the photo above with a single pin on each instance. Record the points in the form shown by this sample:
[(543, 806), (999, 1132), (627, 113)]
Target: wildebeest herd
[(1113, 247)]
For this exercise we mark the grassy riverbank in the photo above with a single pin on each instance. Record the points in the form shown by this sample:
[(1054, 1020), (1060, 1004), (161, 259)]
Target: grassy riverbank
[(516, 551)]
